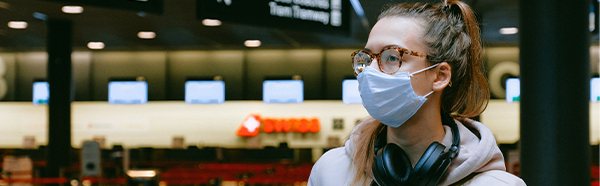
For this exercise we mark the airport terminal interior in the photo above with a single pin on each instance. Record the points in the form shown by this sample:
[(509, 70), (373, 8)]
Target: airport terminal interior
[(217, 92)]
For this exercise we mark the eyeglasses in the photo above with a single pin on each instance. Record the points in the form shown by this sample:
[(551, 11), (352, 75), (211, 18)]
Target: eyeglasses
[(389, 59)]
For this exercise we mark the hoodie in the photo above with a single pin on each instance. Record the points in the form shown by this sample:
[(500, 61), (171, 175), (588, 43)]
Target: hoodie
[(478, 153)]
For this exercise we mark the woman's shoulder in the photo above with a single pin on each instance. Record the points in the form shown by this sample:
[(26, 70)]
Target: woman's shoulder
[(333, 166), (495, 178)]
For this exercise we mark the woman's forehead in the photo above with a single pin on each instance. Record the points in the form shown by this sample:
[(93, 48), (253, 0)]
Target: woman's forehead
[(396, 31)]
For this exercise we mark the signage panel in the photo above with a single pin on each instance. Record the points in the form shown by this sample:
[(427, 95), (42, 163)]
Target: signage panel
[(150, 6), (90, 159), (205, 92), (329, 16), (41, 93), (350, 94), (283, 91), (127, 92)]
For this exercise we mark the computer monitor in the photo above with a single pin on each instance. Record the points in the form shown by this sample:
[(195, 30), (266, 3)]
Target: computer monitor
[(41, 92), (127, 92), (204, 92), (595, 89), (283, 91), (350, 94), (513, 90)]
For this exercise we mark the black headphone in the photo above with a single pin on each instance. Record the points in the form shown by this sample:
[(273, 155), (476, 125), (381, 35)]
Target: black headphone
[(393, 167)]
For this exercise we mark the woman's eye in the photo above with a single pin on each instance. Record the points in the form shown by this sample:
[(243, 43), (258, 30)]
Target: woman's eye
[(393, 58)]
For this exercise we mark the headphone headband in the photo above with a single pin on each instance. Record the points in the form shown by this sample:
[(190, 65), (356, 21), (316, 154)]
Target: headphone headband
[(454, 148)]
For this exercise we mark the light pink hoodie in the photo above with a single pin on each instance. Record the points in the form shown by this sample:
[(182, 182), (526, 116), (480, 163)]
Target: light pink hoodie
[(478, 153)]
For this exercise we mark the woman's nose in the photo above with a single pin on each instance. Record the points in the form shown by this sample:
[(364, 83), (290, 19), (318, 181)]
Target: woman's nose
[(374, 64)]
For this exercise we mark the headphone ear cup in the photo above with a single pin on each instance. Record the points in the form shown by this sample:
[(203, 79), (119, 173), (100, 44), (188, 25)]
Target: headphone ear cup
[(392, 166), (429, 164)]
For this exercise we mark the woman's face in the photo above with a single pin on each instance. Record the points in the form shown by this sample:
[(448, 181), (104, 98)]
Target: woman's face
[(404, 33)]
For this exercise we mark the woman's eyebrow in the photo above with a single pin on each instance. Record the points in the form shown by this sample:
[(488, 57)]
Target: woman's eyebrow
[(393, 46)]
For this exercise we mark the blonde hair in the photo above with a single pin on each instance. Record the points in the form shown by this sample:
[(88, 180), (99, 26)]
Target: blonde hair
[(451, 35)]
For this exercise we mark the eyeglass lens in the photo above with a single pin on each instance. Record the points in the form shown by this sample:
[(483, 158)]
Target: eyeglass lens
[(390, 60), (361, 61)]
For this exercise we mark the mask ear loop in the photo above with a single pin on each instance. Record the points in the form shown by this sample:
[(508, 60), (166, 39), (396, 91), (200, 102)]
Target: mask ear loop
[(419, 71), (428, 94)]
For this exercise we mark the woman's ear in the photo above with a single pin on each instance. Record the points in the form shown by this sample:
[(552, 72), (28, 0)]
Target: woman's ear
[(444, 74)]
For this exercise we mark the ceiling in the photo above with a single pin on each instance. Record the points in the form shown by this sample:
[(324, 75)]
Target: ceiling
[(177, 28)]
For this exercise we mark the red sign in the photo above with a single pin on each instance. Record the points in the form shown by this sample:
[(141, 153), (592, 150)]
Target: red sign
[(251, 125)]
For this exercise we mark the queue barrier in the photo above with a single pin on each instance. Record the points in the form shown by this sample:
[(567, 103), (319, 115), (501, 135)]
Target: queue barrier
[(35, 180)]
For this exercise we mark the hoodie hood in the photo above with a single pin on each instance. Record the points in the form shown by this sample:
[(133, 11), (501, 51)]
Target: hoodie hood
[(478, 150)]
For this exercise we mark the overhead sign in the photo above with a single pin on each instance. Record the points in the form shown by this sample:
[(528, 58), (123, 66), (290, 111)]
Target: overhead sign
[(330, 16), (150, 6)]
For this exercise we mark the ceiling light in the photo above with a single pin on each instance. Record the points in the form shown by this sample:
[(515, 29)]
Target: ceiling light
[(146, 35), (72, 9), (211, 22), (17, 24), (509, 31), (252, 43), (96, 45), (141, 173)]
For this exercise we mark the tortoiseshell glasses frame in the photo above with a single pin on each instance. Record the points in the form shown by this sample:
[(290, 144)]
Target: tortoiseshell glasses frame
[(392, 55)]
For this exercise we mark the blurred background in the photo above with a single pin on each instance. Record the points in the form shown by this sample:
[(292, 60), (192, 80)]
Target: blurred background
[(242, 44)]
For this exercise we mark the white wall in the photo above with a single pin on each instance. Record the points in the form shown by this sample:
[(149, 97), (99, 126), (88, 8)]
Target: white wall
[(156, 123)]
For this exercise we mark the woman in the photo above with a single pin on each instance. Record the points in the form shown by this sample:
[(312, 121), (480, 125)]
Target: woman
[(420, 78)]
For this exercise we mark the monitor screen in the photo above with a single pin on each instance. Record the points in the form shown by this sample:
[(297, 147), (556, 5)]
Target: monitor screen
[(41, 93), (350, 94), (204, 92), (127, 92), (513, 90), (595, 90), (283, 91)]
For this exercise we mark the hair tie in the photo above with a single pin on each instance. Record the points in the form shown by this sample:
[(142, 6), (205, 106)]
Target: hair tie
[(446, 9)]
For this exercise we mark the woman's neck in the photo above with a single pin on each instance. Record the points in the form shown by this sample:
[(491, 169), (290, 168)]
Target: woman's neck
[(416, 134)]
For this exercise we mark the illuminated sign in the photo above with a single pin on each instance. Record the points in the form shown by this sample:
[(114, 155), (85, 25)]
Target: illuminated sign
[(127, 92), (350, 94), (41, 93), (513, 90), (301, 125), (283, 91), (595, 90), (249, 127), (204, 92), (151, 6), (331, 16), (253, 124)]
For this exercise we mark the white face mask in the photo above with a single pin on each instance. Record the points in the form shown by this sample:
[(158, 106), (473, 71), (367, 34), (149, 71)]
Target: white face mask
[(389, 98)]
